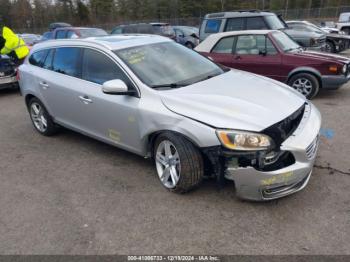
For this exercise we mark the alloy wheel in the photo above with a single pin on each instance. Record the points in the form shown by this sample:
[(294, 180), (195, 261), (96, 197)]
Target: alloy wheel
[(303, 85), (168, 164), (37, 115)]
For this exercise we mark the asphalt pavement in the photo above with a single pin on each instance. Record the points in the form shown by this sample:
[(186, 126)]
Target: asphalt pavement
[(70, 194)]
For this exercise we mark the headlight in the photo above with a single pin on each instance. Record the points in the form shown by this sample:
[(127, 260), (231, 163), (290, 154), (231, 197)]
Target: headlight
[(240, 140), (345, 68), (341, 32)]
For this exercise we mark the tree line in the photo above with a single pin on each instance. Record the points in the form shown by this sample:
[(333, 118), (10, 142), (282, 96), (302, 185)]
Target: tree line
[(29, 14)]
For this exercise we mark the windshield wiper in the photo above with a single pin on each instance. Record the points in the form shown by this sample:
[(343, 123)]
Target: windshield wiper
[(172, 85)]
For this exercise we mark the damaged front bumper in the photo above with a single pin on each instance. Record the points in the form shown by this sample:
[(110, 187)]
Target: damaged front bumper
[(269, 183)]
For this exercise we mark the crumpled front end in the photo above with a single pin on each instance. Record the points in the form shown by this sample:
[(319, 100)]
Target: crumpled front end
[(263, 176)]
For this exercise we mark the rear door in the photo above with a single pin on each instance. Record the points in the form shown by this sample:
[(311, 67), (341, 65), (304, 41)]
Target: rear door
[(257, 54), (60, 83)]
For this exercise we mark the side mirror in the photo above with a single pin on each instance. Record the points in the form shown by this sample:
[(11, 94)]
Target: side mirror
[(263, 52), (116, 87)]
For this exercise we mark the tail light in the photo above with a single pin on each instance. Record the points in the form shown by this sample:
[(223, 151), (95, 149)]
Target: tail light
[(17, 75)]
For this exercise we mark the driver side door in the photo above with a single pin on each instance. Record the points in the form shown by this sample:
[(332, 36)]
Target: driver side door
[(257, 54), (112, 118)]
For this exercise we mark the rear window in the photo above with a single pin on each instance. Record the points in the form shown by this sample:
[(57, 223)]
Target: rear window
[(38, 58), (234, 24), (224, 46), (212, 26), (66, 60)]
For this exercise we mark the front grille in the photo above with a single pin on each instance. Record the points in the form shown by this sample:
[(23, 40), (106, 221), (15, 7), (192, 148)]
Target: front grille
[(312, 148), (280, 131)]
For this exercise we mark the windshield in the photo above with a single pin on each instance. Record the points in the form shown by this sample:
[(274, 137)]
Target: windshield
[(168, 63), (285, 42), (274, 22), (92, 32)]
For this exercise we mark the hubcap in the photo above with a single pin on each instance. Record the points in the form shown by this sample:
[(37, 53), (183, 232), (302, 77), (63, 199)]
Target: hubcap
[(303, 86), (168, 164), (38, 118)]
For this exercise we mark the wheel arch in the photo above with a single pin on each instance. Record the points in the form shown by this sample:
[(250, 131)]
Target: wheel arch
[(306, 70), (151, 138)]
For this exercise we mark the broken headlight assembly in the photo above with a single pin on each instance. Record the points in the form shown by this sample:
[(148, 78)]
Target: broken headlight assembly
[(244, 141)]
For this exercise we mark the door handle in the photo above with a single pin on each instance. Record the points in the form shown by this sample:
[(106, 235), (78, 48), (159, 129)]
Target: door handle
[(44, 85), (85, 99)]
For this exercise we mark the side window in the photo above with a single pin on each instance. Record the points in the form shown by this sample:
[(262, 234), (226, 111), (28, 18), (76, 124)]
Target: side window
[(247, 45), (117, 31), (61, 34), (48, 61), (38, 58), (261, 41), (212, 26), (99, 68), (66, 61), (224, 46), (72, 34), (234, 24), (256, 23)]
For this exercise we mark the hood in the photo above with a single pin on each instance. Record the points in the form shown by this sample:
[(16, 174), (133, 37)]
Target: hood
[(235, 100), (326, 57), (303, 34)]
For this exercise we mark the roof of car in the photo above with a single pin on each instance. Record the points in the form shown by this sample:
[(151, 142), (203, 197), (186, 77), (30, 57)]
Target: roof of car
[(111, 42), (211, 40), (242, 13)]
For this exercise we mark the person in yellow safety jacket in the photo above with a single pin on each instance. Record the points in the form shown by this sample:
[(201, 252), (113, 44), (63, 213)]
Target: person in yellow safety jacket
[(12, 45)]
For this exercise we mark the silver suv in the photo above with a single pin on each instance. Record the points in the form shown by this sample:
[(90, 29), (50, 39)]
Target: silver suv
[(156, 98)]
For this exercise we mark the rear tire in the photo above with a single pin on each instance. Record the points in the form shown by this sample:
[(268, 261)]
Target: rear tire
[(189, 45), (305, 83), (178, 162), (41, 119)]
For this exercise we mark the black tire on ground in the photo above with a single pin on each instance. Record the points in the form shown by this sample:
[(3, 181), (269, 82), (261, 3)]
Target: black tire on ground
[(330, 47), (191, 161), (51, 128), (189, 45), (313, 80)]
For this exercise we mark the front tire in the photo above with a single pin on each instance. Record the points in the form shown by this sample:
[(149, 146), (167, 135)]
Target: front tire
[(178, 162), (330, 47), (305, 84), (41, 119)]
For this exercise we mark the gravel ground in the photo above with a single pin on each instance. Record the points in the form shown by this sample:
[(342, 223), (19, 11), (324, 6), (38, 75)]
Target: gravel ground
[(70, 194)]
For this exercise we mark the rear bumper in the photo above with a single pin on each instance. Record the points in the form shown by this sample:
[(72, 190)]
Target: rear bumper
[(334, 82), (6, 81), (256, 185)]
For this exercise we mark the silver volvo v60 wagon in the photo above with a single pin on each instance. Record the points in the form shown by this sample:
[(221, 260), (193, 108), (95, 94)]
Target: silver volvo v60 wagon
[(156, 98)]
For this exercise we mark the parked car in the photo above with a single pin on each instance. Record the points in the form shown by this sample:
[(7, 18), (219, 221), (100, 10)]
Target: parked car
[(49, 35), (163, 29), (77, 32), (187, 36), (274, 54), (256, 20), (334, 42), (30, 39), (162, 100), (344, 23), (7, 73)]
